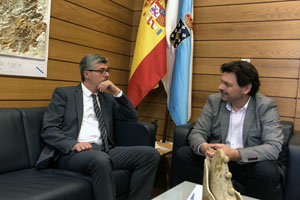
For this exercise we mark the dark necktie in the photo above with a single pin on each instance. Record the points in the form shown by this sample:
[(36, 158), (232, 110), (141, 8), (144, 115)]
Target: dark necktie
[(102, 128)]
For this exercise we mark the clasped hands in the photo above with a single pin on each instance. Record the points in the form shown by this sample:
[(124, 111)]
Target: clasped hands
[(210, 149)]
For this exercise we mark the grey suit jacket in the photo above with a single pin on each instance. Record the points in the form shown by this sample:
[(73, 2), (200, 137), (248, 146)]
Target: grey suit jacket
[(63, 118), (262, 133)]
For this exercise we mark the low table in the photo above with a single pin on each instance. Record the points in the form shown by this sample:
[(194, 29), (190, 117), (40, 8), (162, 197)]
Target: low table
[(163, 148), (182, 192)]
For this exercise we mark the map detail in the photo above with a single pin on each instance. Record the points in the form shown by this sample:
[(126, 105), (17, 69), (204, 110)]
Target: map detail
[(23, 26)]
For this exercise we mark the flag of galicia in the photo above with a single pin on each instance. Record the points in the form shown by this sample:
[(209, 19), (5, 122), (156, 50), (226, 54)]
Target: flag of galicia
[(181, 87)]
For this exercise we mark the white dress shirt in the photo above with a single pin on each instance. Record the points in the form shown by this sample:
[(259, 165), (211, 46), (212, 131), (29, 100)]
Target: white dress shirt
[(89, 130), (234, 137)]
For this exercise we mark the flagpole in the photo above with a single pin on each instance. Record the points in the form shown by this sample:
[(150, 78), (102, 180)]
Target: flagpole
[(166, 125)]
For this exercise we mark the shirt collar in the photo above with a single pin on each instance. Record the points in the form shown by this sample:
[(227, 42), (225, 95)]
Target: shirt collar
[(86, 91), (229, 105)]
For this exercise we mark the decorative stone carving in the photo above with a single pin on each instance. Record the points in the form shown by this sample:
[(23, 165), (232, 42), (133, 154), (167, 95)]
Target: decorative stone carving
[(217, 183)]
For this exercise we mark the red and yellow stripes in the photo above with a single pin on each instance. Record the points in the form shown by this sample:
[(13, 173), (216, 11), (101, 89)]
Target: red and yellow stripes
[(149, 60)]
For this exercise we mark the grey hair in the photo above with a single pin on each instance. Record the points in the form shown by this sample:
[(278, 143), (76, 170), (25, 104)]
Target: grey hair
[(89, 61)]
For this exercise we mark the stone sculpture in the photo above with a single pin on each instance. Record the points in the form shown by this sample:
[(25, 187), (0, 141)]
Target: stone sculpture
[(217, 183)]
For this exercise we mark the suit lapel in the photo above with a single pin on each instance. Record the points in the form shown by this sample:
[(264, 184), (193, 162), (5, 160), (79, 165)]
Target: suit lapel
[(248, 121), (79, 105), (224, 120)]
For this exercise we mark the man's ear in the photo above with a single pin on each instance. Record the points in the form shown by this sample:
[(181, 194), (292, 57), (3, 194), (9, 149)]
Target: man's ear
[(86, 74), (247, 88)]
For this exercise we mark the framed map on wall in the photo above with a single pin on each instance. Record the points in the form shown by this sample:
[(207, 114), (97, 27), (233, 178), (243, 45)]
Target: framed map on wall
[(24, 37)]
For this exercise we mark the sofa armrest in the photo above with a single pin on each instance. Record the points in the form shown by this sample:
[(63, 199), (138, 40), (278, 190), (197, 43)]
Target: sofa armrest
[(291, 191), (181, 134), (128, 133)]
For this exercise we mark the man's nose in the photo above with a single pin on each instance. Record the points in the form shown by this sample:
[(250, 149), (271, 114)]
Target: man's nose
[(221, 86)]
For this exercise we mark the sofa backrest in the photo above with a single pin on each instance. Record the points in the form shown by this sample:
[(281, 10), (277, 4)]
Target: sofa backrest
[(287, 130), (20, 142), (32, 121), (13, 145)]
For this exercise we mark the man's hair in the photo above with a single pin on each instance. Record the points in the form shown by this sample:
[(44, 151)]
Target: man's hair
[(89, 61), (245, 73)]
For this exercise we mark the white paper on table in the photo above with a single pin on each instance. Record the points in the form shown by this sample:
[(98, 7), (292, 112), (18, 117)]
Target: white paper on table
[(196, 194), (161, 147)]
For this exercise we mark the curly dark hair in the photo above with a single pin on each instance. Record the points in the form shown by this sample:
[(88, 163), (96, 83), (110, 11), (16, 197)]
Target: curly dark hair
[(245, 73)]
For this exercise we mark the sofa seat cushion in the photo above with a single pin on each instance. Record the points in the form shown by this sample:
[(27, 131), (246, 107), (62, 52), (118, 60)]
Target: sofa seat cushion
[(53, 184), (32, 184)]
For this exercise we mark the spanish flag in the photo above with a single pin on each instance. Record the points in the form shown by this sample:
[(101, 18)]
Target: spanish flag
[(149, 60)]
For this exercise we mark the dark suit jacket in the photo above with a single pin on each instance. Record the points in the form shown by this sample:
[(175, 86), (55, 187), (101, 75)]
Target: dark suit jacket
[(63, 118)]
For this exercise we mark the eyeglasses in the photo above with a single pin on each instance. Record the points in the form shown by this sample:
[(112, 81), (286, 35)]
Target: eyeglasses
[(100, 71)]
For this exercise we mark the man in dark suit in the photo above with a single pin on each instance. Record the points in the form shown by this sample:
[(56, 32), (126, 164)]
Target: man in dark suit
[(79, 139), (246, 125)]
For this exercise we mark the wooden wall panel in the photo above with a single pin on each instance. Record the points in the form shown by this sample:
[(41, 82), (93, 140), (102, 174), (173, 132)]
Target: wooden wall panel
[(298, 109), (197, 3), (195, 114), (23, 104), (136, 18), (248, 49), (298, 92), (152, 110), (157, 95), (84, 17), (29, 89), (248, 30), (87, 37), (228, 2), (248, 12), (57, 70), (297, 124), (199, 98), (266, 67), (70, 52), (286, 88), (286, 10), (130, 4), (138, 5), (286, 106), (279, 87), (108, 8)]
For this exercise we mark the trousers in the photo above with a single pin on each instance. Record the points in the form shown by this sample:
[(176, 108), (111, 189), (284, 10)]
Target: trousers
[(142, 161)]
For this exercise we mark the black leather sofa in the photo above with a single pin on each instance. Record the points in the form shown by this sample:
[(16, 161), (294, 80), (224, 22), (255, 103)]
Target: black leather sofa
[(20, 146), (289, 157)]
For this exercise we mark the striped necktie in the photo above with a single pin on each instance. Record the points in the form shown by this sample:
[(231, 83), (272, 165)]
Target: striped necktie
[(101, 124)]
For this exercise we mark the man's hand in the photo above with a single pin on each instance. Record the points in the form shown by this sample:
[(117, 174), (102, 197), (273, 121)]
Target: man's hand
[(208, 149), (233, 154), (109, 86), (82, 146)]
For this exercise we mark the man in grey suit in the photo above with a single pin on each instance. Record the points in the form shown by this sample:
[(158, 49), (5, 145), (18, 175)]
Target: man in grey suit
[(76, 139), (246, 125)]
